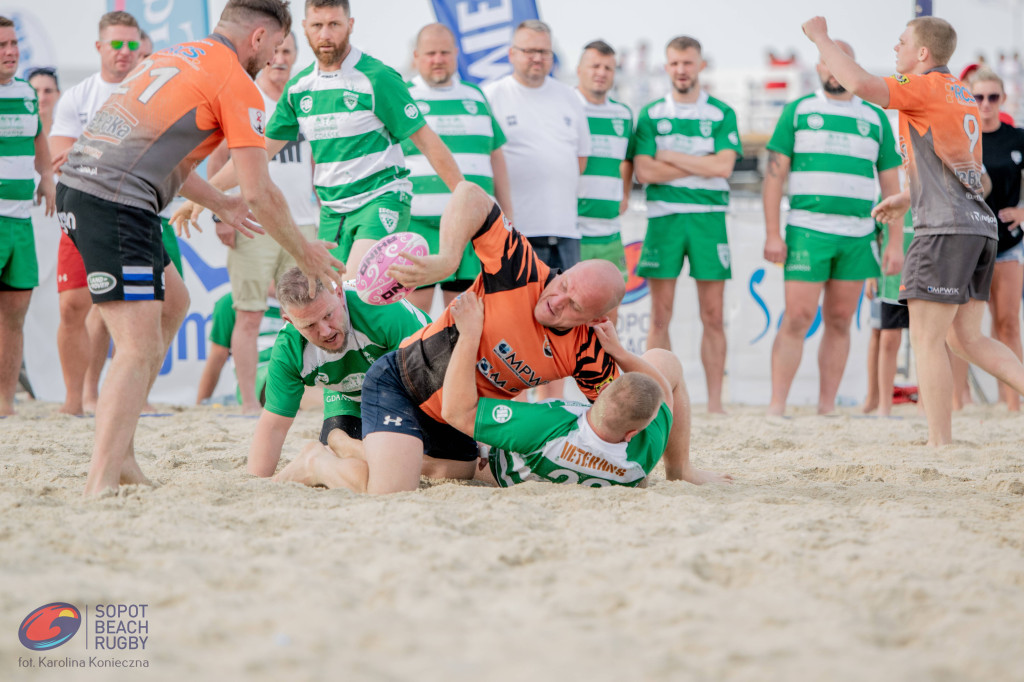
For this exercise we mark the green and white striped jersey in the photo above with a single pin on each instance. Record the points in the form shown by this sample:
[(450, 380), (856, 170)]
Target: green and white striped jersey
[(705, 127), (462, 118), (553, 441), (836, 149), (354, 119), (601, 186), (296, 363), (19, 125)]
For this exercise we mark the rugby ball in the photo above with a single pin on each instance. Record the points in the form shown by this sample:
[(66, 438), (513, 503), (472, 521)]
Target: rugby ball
[(373, 284)]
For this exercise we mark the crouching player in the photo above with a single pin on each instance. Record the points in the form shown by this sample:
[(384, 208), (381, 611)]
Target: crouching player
[(637, 418)]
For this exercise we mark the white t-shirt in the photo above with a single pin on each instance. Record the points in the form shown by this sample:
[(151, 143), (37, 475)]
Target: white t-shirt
[(547, 132), (76, 107), (292, 171)]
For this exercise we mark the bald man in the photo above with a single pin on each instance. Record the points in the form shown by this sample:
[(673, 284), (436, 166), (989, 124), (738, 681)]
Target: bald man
[(460, 114), (835, 143)]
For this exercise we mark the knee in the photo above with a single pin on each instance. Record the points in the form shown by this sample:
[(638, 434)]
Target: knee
[(798, 320), (667, 363), (74, 308), (838, 321), (1006, 327), (711, 317)]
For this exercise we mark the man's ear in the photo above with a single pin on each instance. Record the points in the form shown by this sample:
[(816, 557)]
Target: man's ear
[(629, 435)]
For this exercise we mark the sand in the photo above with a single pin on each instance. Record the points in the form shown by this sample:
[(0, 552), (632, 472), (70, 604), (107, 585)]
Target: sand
[(845, 550)]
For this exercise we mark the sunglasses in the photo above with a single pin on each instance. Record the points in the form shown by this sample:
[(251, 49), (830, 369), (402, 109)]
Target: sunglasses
[(118, 44), (41, 71), (993, 98)]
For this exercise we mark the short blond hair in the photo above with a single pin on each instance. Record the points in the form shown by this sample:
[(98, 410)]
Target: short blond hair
[(938, 35), (984, 75), (630, 402)]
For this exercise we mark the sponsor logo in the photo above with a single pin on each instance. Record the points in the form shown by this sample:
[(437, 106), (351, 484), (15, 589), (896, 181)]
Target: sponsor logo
[(306, 104), (506, 223), (547, 348), (85, 149), (101, 282), (900, 78), (469, 105), (423, 107), (815, 121), (351, 99), (49, 626), (87, 170), (111, 124), (1016, 157), (863, 127), (258, 121), (411, 111), (388, 218), (388, 420), (507, 354), (664, 127), (186, 51), (511, 119), (944, 291), (619, 126), (332, 398), (501, 414), (67, 221), (705, 128), (723, 255), (493, 376)]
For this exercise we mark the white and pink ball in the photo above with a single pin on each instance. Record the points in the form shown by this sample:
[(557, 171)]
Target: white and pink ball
[(373, 284)]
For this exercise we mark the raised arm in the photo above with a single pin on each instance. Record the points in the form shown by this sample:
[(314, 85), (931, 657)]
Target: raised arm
[(629, 362), (459, 398), (439, 156), (848, 72)]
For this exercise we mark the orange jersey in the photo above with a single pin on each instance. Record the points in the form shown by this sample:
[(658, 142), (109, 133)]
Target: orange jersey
[(940, 140), (168, 114), (516, 353)]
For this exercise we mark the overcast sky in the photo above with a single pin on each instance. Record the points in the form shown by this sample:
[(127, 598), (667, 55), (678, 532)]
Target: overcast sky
[(735, 33)]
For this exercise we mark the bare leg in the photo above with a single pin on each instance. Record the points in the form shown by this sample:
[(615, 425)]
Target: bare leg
[(929, 324), (216, 357), (99, 348), (677, 452), (788, 349), (395, 461), (961, 392), (244, 350), (663, 294), (838, 309), (344, 445), (317, 465), (73, 346), (448, 468), (888, 348), (1007, 284), (711, 299), (871, 401), (13, 307), (142, 332), (992, 356)]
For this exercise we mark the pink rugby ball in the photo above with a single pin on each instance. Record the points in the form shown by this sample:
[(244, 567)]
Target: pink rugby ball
[(373, 284)]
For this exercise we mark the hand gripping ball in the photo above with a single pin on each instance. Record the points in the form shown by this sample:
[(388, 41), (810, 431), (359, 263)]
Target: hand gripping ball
[(373, 284)]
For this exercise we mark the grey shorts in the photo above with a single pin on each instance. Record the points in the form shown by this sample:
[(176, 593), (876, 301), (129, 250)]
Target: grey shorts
[(948, 268)]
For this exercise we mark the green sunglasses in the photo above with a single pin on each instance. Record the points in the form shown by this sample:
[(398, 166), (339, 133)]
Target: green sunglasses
[(118, 44)]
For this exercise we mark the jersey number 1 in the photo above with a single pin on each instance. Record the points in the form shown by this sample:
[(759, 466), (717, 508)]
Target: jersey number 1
[(160, 77)]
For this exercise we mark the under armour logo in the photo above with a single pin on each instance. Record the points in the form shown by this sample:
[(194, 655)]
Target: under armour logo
[(388, 420)]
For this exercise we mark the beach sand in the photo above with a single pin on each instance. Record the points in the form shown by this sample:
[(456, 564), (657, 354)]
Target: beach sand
[(846, 550)]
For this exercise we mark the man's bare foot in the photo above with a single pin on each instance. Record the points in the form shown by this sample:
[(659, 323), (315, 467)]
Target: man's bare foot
[(131, 474), (869, 406), (702, 476), (301, 469), (89, 404), (72, 409), (775, 411), (255, 408)]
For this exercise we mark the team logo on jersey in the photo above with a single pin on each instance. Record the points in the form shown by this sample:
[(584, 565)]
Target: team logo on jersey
[(501, 414), (353, 382), (411, 111), (547, 348), (734, 138), (900, 78), (705, 128), (101, 282), (1016, 157), (423, 107), (506, 223), (664, 127), (863, 127), (470, 106), (30, 104), (258, 120), (619, 126), (816, 121), (723, 255), (322, 379), (511, 119), (351, 99), (306, 104), (388, 218)]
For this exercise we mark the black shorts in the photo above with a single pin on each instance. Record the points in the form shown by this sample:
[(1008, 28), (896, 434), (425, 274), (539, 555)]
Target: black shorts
[(121, 246), (894, 316), (350, 424), (386, 406), (948, 268)]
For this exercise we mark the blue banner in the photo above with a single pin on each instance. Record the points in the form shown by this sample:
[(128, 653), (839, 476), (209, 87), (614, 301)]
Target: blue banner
[(923, 8), (483, 32), (168, 22)]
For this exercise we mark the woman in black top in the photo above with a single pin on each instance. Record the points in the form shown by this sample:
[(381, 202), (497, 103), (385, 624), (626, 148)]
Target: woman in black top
[(1003, 155)]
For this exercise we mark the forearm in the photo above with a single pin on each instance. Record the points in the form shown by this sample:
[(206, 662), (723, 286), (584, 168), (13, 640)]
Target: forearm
[(653, 172), (200, 192), (217, 159), (852, 75), (439, 156), (265, 451), (502, 192), (43, 161), (273, 214), (771, 193), (718, 165), (631, 362), (626, 171), (459, 398)]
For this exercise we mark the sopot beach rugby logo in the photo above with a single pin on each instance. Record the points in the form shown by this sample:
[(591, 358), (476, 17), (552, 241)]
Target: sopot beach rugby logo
[(50, 626)]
